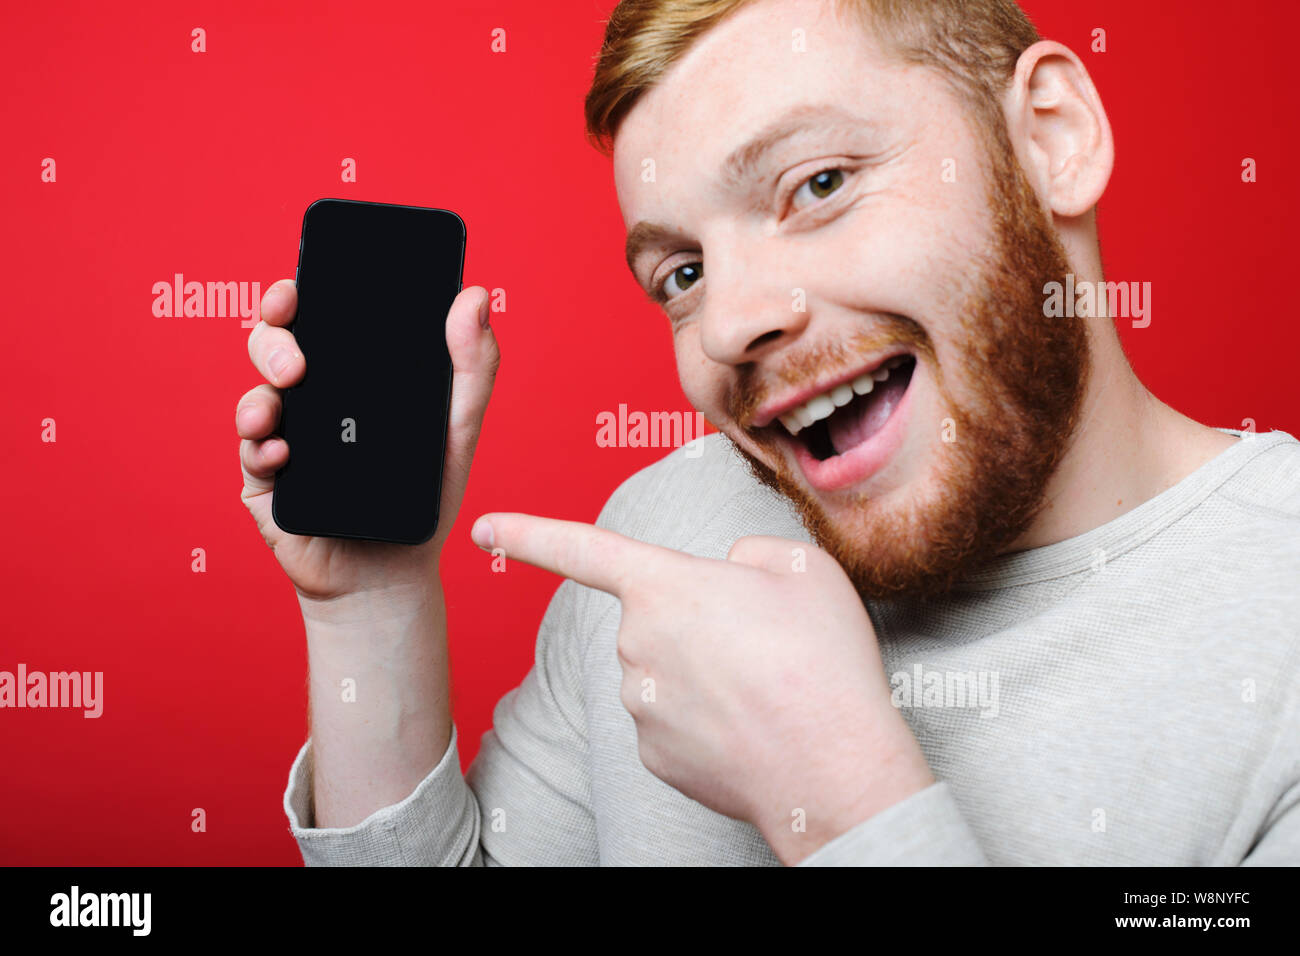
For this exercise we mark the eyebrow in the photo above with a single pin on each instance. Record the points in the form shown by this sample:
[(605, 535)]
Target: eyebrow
[(744, 159)]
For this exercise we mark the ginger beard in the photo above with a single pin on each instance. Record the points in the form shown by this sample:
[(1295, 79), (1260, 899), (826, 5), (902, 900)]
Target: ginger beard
[(986, 486)]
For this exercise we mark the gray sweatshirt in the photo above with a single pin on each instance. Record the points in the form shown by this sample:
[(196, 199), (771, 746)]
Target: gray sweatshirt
[(1128, 696)]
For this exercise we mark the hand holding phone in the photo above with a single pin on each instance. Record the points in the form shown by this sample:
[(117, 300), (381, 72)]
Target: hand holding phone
[(322, 565)]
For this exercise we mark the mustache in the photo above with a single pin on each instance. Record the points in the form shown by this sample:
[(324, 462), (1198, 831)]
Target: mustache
[(792, 369)]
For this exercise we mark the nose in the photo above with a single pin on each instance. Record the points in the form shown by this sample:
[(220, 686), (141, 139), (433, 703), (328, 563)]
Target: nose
[(749, 312)]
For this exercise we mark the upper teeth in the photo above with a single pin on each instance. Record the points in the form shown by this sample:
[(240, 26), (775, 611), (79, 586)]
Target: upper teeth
[(824, 405)]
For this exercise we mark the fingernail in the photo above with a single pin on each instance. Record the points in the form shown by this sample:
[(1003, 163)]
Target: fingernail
[(484, 313), (278, 362), (481, 534)]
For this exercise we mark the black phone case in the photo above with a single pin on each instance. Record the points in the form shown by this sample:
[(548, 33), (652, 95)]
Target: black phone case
[(389, 490)]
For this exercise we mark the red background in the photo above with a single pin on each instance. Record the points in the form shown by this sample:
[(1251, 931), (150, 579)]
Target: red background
[(171, 161)]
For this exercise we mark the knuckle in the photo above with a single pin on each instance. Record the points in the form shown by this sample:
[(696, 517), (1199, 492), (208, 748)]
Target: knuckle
[(253, 456), (263, 399), (629, 696), (268, 395), (755, 547), (272, 338), (742, 548), (623, 648), (649, 755), (253, 336)]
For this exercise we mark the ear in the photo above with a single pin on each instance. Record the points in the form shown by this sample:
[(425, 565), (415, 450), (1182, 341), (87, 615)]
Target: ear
[(1060, 129)]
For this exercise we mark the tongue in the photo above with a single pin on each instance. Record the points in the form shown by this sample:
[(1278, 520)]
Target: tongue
[(866, 414)]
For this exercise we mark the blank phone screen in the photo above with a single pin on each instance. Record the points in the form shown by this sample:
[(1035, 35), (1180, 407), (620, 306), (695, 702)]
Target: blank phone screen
[(366, 427)]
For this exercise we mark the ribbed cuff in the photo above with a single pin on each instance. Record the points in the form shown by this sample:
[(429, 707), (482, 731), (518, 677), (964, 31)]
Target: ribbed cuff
[(437, 825), (926, 829)]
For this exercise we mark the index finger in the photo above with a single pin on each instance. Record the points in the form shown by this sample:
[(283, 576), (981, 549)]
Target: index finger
[(601, 559), (280, 302)]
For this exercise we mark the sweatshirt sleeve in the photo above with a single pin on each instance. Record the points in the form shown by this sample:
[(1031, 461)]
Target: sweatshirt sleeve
[(926, 829), (525, 800), (437, 825)]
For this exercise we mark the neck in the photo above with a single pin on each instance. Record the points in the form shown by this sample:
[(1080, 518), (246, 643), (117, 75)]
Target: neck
[(1127, 448)]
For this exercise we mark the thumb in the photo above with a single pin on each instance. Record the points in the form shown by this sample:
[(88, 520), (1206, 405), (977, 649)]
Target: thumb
[(475, 359), (778, 555)]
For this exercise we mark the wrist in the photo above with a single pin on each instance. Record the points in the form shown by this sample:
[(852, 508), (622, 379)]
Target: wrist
[(858, 781), (392, 606)]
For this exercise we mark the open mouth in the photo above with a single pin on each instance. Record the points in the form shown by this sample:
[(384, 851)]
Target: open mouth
[(847, 433)]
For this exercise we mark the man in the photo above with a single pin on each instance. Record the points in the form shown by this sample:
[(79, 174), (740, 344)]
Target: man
[(952, 587)]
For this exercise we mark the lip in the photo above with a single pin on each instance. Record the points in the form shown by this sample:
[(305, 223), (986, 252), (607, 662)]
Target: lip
[(859, 464), (771, 411)]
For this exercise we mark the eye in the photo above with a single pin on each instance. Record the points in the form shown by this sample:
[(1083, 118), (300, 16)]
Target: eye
[(820, 185), (683, 277)]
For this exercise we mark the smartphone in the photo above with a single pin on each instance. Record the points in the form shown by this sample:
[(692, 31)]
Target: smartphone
[(367, 425)]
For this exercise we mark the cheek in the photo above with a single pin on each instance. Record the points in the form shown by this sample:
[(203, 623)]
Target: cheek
[(701, 380), (914, 245), (938, 257), (931, 264)]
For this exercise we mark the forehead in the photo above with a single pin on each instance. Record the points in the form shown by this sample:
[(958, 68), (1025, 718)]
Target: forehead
[(767, 58)]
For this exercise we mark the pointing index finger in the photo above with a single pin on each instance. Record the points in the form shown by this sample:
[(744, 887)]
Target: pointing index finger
[(601, 559)]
